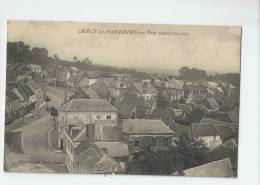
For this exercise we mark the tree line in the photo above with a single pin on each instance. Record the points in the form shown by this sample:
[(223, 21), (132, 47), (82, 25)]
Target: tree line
[(194, 74)]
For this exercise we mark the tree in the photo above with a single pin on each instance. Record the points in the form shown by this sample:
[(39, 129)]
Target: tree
[(47, 100), (193, 73), (75, 58), (87, 61), (162, 102), (152, 162), (56, 57), (40, 56), (18, 52), (184, 70), (193, 149), (54, 114)]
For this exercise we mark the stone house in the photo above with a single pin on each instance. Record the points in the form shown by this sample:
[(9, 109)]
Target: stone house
[(86, 110), (142, 133)]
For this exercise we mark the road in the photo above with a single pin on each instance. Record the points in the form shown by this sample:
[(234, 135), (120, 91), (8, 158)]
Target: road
[(35, 141), (36, 148)]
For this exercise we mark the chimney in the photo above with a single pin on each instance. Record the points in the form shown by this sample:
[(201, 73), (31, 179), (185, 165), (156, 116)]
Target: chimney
[(90, 132)]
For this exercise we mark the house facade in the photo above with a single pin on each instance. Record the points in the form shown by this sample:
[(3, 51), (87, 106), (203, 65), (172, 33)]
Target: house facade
[(37, 89), (87, 152), (12, 107), (142, 133), (194, 92), (26, 97), (35, 68), (144, 89), (62, 77), (172, 89), (86, 110)]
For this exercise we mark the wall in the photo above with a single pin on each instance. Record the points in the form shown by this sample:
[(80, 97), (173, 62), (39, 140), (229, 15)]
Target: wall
[(146, 141), (212, 141), (86, 115)]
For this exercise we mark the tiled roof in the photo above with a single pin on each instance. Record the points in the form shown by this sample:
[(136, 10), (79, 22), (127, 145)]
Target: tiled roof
[(225, 150), (132, 100), (226, 129), (209, 84), (111, 133), (225, 116), (144, 126), (75, 77), (186, 108), (24, 87), (33, 84), (167, 116), (194, 86), (10, 96), (114, 149), (24, 91), (115, 83), (141, 88), (94, 160), (217, 122), (90, 92), (225, 85), (93, 74), (204, 129), (177, 84), (162, 114), (137, 101), (20, 94), (87, 105), (200, 107), (221, 168), (81, 147), (125, 109), (212, 103)]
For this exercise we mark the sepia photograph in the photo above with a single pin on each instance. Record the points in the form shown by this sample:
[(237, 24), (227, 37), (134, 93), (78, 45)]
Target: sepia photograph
[(122, 98)]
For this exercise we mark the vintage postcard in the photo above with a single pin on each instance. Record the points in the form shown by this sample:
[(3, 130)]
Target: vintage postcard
[(104, 98)]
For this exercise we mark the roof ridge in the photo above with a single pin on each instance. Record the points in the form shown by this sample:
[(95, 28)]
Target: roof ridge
[(67, 105), (79, 134)]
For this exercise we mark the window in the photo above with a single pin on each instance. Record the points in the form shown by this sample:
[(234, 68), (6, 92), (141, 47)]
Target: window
[(98, 117), (75, 118), (108, 117), (137, 142), (153, 141), (165, 141), (61, 144)]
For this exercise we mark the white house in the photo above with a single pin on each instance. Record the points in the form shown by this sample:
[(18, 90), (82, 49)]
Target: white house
[(35, 68), (86, 110)]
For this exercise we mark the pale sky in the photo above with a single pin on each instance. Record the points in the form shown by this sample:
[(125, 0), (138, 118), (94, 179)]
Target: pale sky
[(213, 48)]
